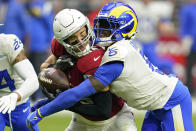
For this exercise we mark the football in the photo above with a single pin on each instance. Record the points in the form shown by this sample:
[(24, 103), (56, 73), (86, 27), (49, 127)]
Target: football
[(53, 80)]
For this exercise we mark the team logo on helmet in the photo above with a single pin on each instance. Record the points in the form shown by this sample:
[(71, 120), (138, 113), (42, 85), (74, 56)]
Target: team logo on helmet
[(115, 22)]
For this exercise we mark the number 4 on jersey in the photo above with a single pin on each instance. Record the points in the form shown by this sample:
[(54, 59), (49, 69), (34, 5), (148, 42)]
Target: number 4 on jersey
[(9, 82)]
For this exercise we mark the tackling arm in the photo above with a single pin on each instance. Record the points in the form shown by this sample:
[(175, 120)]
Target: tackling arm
[(89, 87), (70, 97), (98, 105)]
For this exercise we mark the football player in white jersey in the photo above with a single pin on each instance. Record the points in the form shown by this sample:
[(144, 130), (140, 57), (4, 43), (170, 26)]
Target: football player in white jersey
[(130, 75), (100, 112), (18, 81)]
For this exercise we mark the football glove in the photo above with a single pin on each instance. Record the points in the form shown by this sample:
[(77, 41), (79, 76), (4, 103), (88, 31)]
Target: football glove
[(65, 63), (32, 120), (38, 104), (8, 103)]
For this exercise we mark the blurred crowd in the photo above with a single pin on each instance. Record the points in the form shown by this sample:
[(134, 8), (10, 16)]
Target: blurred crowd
[(166, 31)]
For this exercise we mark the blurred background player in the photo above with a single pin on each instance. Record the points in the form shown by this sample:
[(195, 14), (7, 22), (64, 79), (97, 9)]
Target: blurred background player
[(102, 111), (15, 19), (41, 16), (187, 27), (18, 81), (151, 15), (131, 76), (31, 21)]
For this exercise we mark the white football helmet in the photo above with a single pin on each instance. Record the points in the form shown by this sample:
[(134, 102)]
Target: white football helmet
[(66, 23)]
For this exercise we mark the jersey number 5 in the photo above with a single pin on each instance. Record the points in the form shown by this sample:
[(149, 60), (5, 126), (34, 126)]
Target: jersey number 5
[(9, 82)]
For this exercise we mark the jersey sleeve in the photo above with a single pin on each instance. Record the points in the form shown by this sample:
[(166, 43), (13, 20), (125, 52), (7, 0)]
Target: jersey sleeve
[(115, 52), (11, 46), (56, 48), (109, 72)]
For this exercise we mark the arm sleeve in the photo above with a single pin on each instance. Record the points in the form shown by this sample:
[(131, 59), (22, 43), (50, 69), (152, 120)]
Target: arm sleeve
[(101, 108), (68, 98), (25, 69), (109, 72)]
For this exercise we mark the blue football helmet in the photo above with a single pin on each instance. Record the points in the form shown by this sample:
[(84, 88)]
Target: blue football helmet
[(115, 21)]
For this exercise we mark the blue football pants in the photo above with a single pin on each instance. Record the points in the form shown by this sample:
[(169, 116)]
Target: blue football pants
[(178, 118), (18, 118)]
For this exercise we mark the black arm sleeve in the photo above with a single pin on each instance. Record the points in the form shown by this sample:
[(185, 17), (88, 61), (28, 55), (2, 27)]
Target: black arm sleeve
[(100, 106)]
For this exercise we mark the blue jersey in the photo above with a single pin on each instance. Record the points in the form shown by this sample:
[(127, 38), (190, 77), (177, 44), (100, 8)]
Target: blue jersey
[(16, 20), (41, 26), (187, 20)]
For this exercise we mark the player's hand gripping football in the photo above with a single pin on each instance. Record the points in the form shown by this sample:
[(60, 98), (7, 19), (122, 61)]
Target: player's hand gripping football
[(65, 63), (32, 120), (8, 103)]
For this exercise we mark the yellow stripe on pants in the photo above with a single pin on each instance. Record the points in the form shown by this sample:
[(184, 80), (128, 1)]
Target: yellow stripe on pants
[(177, 117)]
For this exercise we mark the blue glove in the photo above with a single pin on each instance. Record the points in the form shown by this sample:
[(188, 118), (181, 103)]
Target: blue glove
[(38, 104), (32, 120)]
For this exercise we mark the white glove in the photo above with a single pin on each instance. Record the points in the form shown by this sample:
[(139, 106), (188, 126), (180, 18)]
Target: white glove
[(8, 103)]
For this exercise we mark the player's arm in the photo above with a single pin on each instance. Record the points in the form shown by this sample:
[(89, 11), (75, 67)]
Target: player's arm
[(100, 107), (104, 75), (49, 61), (70, 97), (25, 69)]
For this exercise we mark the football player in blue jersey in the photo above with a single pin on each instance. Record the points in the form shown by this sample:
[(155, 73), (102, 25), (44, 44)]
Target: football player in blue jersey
[(130, 75), (18, 81)]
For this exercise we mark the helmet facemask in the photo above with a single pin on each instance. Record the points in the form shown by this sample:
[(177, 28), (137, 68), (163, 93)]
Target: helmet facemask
[(79, 49), (118, 20), (105, 30), (66, 25)]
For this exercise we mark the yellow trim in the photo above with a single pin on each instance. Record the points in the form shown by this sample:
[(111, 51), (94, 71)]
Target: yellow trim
[(177, 117), (29, 127), (107, 88), (135, 24), (39, 113), (118, 11)]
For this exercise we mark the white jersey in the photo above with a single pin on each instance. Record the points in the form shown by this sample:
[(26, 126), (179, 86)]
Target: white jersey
[(10, 47), (140, 84)]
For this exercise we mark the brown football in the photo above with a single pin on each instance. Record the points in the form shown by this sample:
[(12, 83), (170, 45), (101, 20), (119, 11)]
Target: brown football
[(53, 79)]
